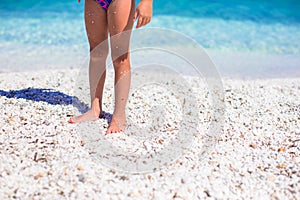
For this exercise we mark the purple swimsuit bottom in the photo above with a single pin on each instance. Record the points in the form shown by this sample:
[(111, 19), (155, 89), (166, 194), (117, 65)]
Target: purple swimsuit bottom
[(104, 3)]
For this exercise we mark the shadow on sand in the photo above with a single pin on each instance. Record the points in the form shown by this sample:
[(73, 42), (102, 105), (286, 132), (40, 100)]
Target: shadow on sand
[(52, 97)]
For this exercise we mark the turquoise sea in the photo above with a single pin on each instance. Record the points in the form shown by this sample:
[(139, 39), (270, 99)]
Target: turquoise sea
[(247, 38)]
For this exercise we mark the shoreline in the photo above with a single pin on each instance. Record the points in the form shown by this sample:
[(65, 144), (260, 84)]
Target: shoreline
[(223, 77), (230, 65)]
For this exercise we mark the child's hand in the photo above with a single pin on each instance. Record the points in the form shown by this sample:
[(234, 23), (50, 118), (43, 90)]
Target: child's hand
[(143, 13)]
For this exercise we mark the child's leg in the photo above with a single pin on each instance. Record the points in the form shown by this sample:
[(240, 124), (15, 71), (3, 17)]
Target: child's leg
[(120, 22), (97, 32)]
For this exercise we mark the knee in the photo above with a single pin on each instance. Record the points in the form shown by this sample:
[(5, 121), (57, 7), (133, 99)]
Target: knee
[(98, 50), (122, 60), (97, 54)]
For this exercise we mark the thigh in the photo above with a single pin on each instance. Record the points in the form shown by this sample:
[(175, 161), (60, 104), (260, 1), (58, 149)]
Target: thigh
[(96, 24), (120, 16)]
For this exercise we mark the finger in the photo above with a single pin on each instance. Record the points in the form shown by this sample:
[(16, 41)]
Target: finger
[(147, 20), (140, 21), (144, 21), (136, 14), (78, 1)]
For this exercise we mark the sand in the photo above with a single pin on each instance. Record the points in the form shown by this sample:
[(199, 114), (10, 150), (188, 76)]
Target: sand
[(43, 157)]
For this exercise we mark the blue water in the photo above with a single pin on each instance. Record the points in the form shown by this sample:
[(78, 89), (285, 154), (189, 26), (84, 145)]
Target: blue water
[(33, 31)]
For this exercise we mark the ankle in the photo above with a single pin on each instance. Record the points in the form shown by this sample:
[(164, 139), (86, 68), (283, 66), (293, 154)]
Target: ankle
[(96, 109), (119, 114)]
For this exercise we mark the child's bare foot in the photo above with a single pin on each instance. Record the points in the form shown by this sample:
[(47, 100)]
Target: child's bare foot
[(91, 115), (117, 124)]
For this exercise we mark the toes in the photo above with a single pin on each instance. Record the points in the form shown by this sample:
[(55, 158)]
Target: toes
[(71, 120), (115, 127), (113, 130), (107, 132)]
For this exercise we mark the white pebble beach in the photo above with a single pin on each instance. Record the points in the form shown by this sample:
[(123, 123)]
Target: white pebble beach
[(44, 157)]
